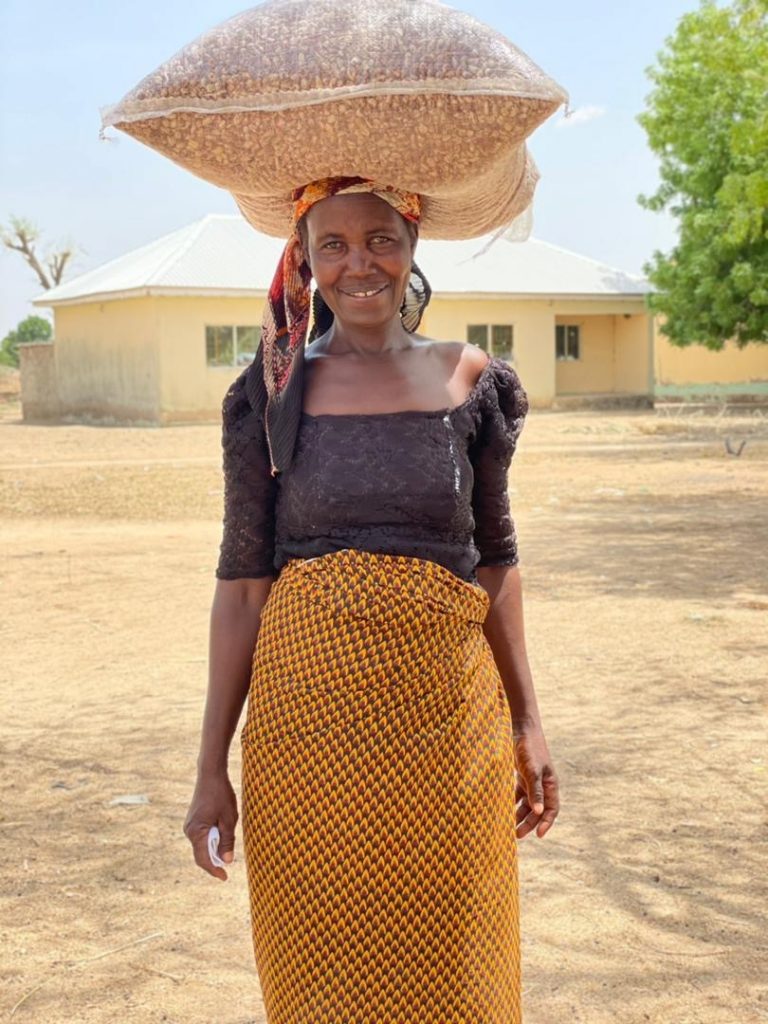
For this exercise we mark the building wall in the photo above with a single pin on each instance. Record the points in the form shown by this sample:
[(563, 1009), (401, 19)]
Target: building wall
[(615, 339), (190, 389), (145, 358), (107, 362), (534, 335), (594, 369), (39, 394), (698, 371), (633, 356), (614, 358)]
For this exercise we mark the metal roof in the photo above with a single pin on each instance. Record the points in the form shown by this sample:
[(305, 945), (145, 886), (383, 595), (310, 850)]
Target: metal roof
[(222, 255)]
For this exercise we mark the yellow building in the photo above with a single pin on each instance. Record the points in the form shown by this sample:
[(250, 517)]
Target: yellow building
[(157, 335), (698, 373)]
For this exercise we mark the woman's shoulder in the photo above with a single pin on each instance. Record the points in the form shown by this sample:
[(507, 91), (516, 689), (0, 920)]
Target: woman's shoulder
[(463, 360), (491, 380)]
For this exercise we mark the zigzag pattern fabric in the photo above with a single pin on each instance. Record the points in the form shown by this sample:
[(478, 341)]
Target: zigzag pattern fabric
[(378, 799)]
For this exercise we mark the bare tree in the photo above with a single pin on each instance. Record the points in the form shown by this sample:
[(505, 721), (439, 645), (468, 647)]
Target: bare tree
[(23, 237)]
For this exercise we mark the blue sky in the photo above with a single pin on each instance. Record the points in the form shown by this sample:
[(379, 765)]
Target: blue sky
[(61, 62)]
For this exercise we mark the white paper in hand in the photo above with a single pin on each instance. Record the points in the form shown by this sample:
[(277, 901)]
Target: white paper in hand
[(214, 837)]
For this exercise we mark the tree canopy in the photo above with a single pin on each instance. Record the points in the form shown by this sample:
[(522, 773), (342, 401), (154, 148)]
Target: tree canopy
[(707, 121), (34, 328)]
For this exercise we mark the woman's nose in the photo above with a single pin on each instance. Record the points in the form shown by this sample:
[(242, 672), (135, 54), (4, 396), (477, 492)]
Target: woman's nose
[(358, 259)]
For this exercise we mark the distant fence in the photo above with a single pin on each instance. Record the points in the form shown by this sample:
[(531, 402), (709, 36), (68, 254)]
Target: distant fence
[(39, 392)]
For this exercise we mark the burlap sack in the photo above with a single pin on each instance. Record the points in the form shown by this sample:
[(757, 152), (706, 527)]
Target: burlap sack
[(408, 92)]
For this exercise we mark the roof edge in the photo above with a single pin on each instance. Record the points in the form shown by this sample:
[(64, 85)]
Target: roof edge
[(261, 293), (155, 291)]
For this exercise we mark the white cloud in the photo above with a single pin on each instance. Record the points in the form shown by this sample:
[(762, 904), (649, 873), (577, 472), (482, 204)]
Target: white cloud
[(580, 116)]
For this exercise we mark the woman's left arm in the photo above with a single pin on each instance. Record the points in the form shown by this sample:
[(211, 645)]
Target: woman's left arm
[(538, 787)]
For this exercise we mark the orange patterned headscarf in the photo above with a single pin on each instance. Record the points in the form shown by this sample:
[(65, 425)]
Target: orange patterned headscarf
[(287, 312)]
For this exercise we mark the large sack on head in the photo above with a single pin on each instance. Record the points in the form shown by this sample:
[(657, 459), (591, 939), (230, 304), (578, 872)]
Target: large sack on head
[(407, 92)]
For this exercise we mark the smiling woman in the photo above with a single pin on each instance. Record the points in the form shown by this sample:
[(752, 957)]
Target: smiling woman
[(367, 247), (368, 600), (392, 751), (370, 255)]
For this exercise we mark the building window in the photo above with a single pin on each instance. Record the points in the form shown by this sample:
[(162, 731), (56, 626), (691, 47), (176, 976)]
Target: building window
[(477, 334), (567, 341), (495, 339), (231, 346), (501, 340)]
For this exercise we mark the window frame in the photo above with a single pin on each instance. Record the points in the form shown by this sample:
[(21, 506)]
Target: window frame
[(564, 331), (235, 329), (488, 347)]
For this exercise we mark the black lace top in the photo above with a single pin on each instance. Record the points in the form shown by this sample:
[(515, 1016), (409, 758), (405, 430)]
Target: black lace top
[(430, 484)]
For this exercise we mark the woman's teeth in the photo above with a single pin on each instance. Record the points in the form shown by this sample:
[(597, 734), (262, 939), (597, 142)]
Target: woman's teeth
[(366, 295)]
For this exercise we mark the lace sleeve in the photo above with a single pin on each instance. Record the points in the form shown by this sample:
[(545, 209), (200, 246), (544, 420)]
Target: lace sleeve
[(503, 413), (247, 545)]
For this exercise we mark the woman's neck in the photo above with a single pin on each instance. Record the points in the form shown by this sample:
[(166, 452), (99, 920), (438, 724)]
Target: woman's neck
[(365, 341)]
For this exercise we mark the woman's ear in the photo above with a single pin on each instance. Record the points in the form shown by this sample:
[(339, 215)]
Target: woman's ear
[(302, 232), (413, 231)]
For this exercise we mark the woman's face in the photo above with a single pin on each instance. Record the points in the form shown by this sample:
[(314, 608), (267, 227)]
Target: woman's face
[(360, 251)]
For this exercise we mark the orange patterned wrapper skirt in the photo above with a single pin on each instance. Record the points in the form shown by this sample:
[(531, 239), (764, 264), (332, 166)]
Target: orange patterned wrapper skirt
[(378, 801)]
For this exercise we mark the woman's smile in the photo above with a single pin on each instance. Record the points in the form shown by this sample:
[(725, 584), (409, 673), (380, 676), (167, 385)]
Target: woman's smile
[(360, 251), (360, 293)]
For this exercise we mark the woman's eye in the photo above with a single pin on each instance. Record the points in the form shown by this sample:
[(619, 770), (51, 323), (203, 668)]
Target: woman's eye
[(382, 238), (330, 245)]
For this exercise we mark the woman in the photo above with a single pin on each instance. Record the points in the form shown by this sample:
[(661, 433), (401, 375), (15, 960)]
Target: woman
[(368, 547)]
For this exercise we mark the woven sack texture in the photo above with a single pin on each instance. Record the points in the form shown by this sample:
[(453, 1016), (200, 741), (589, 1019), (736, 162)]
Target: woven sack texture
[(406, 92), (378, 805)]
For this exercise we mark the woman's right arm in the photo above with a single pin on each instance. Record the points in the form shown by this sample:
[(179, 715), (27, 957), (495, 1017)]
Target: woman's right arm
[(245, 573), (234, 627)]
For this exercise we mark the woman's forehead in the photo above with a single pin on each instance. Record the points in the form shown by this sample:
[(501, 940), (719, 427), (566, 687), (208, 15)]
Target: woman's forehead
[(360, 209)]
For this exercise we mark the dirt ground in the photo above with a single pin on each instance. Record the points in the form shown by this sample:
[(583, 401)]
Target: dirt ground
[(644, 554)]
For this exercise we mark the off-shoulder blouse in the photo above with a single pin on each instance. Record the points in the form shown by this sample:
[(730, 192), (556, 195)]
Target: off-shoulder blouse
[(430, 484)]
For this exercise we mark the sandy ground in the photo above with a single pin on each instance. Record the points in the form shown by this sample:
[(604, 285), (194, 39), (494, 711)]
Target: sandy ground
[(645, 565)]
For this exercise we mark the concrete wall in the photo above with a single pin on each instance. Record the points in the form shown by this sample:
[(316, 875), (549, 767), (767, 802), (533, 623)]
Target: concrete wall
[(145, 358), (594, 369), (615, 355), (534, 335), (190, 390), (107, 362), (39, 394), (698, 371), (633, 355), (616, 344)]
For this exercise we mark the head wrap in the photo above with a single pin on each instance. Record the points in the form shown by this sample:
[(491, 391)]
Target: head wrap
[(275, 378)]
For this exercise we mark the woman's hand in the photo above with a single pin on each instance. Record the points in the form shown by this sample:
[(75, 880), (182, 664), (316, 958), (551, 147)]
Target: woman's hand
[(213, 803), (537, 792)]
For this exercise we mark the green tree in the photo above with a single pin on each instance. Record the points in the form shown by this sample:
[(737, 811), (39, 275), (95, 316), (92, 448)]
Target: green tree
[(34, 328), (707, 120)]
